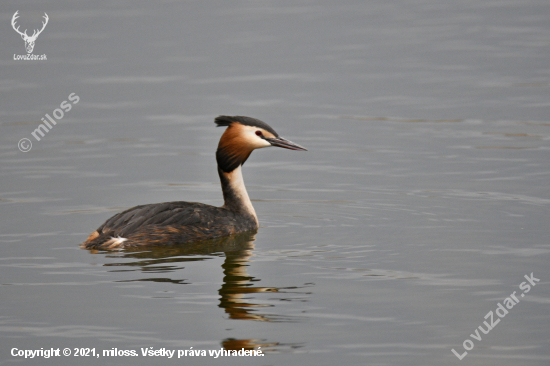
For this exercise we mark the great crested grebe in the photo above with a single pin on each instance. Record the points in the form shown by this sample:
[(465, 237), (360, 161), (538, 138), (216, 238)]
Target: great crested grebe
[(184, 222)]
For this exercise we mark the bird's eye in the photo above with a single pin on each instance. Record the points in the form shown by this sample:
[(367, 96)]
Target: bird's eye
[(259, 133)]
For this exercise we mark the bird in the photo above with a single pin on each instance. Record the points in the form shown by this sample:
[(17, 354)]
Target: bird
[(180, 222)]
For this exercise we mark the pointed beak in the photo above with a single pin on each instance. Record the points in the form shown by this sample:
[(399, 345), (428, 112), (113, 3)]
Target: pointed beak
[(281, 142)]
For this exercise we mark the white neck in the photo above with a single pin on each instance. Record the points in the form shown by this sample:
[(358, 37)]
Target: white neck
[(235, 194)]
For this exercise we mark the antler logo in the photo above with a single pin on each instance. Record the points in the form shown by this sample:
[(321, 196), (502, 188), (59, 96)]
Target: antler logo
[(29, 40)]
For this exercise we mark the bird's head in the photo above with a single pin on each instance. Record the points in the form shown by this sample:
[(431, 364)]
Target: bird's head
[(242, 136)]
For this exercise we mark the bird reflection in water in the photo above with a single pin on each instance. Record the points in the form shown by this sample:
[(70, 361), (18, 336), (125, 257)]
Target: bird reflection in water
[(237, 286)]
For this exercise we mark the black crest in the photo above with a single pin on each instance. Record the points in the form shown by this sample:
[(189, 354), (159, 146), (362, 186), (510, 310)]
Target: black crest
[(222, 121)]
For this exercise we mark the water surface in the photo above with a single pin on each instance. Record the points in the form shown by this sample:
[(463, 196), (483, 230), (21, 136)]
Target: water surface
[(421, 204)]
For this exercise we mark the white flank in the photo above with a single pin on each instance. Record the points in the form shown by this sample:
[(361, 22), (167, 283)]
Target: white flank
[(115, 242), (118, 240)]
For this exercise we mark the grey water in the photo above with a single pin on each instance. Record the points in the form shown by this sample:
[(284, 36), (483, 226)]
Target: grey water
[(422, 203)]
